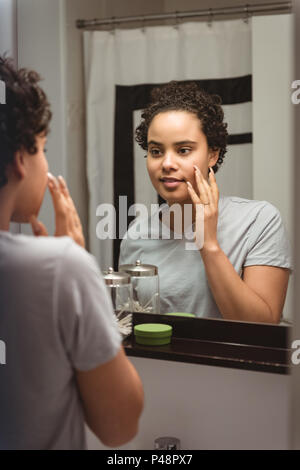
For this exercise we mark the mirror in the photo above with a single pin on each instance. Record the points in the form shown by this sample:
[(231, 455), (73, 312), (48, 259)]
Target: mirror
[(93, 145)]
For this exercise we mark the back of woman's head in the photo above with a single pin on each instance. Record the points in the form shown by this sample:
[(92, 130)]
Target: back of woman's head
[(25, 114)]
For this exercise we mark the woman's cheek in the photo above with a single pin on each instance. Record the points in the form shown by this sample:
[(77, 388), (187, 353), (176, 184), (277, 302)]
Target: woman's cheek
[(151, 173)]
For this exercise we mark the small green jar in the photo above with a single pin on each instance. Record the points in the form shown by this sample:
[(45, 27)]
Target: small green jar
[(153, 334)]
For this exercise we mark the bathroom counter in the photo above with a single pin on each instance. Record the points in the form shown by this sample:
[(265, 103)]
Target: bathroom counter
[(238, 345)]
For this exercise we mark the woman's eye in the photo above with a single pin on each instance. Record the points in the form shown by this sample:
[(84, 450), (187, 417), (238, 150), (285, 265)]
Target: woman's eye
[(184, 151), (45, 150), (155, 152)]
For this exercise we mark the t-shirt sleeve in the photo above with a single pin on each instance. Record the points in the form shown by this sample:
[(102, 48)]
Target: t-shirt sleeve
[(268, 242), (86, 321)]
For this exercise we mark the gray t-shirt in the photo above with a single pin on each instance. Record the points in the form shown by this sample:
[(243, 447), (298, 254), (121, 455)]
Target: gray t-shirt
[(55, 317), (249, 232)]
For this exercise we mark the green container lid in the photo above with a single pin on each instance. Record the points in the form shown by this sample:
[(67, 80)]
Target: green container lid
[(179, 314), (153, 330), (153, 334)]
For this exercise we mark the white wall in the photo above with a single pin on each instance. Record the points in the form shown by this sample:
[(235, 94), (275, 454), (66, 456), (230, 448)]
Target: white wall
[(41, 46), (210, 407), (8, 28)]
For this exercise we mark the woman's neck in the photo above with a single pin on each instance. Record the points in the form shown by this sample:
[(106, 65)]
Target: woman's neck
[(6, 209)]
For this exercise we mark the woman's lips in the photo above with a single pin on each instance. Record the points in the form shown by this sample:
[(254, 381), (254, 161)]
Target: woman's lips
[(171, 183)]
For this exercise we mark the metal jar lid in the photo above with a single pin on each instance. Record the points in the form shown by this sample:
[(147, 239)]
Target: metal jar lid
[(114, 278), (138, 269)]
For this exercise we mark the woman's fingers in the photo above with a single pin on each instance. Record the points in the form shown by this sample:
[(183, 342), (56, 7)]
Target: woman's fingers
[(66, 193), (208, 190), (213, 185), (211, 199), (202, 187), (206, 206), (193, 194), (60, 206), (73, 212), (199, 233), (67, 219), (55, 192), (38, 228), (63, 186)]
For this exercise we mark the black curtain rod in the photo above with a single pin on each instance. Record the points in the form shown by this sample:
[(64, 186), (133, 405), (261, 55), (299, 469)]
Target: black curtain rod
[(243, 10)]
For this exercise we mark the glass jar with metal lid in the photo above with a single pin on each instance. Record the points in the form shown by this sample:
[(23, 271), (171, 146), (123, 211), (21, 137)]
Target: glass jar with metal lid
[(120, 290), (145, 286)]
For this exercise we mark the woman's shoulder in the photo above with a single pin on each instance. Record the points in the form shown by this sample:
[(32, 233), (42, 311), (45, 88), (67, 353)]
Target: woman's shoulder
[(243, 214), (243, 205), (25, 250)]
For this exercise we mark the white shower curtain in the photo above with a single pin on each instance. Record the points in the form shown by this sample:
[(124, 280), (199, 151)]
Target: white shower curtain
[(121, 67)]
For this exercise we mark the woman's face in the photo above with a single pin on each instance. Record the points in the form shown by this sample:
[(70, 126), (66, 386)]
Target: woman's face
[(33, 186), (176, 143)]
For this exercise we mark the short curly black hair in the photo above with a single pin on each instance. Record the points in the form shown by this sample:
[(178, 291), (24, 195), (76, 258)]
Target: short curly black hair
[(25, 114), (187, 96)]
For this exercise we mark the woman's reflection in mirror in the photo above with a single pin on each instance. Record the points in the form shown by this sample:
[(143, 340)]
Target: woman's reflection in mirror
[(241, 269)]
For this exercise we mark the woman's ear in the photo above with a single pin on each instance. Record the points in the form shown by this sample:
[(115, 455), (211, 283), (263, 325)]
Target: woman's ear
[(213, 157), (18, 165)]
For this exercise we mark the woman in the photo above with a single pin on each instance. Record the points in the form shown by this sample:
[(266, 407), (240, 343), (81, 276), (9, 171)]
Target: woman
[(65, 362), (240, 271)]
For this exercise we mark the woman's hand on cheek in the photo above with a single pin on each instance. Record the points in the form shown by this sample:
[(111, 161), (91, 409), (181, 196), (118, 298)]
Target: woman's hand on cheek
[(67, 221), (205, 201)]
